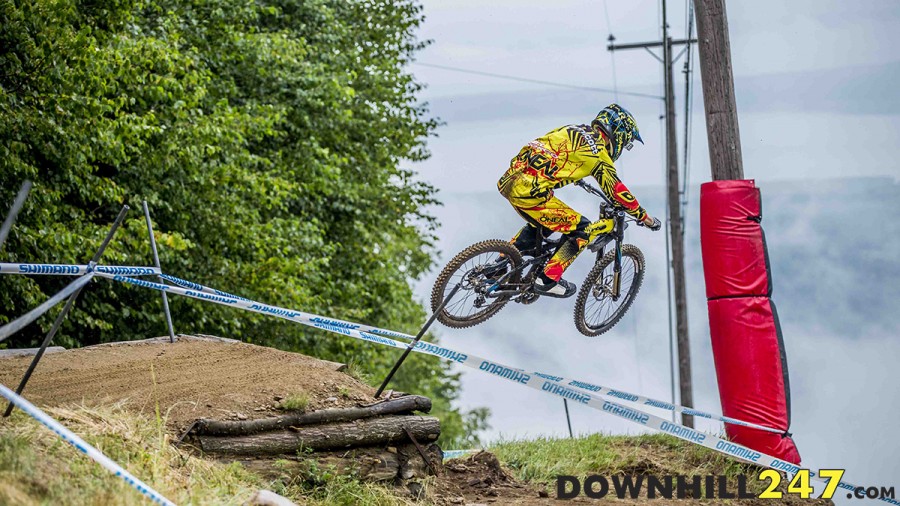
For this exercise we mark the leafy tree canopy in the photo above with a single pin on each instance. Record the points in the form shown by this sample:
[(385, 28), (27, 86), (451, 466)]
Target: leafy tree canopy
[(269, 138)]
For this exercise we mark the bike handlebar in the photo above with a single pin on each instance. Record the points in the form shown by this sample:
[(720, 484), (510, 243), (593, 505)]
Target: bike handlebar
[(594, 191), (590, 189)]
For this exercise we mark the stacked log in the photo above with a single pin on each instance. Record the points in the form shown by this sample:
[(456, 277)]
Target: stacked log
[(381, 441)]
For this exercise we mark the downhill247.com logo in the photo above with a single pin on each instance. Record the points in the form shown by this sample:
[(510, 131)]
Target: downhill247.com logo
[(714, 487)]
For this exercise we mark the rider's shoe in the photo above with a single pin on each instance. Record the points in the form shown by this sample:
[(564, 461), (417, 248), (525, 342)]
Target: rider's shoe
[(560, 289)]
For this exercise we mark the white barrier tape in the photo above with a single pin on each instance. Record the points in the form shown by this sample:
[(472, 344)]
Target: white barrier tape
[(583, 385), (75, 270), (455, 454), (73, 439), (319, 320), (515, 375), (20, 322), (200, 288), (536, 382), (316, 319)]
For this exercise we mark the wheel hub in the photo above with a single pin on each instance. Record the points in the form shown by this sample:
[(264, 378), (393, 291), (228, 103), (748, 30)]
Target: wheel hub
[(604, 288)]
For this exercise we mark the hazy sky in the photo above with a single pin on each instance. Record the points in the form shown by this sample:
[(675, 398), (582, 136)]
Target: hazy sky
[(817, 99), (815, 82)]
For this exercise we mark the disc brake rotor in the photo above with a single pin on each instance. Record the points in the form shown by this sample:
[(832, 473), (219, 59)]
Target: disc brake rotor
[(604, 288), (472, 280)]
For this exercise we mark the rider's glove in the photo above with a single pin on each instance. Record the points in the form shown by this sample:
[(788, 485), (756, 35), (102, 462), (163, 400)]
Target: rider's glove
[(656, 225)]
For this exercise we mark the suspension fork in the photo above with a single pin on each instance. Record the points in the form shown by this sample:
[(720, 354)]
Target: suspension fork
[(617, 264)]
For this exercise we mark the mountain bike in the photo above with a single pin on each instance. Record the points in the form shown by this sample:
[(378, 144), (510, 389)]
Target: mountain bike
[(481, 279)]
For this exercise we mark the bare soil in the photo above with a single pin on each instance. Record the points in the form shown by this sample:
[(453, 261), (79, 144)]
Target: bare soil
[(195, 377), (480, 479)]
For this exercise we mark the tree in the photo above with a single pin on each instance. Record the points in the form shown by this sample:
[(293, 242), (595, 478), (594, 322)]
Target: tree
[(270, 139)]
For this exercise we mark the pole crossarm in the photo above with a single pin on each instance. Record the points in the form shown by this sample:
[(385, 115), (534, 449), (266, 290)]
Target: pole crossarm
[(640, 45)]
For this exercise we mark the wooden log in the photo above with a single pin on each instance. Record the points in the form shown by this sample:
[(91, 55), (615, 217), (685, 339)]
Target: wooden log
[(371, 464), (373, 431), (375, 463), (400, 405)]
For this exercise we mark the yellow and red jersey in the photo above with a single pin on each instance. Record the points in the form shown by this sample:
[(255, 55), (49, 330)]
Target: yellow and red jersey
[(561, 157)]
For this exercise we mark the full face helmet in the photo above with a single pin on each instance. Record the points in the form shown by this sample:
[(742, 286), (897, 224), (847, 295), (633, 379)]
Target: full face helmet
[(620, 128)]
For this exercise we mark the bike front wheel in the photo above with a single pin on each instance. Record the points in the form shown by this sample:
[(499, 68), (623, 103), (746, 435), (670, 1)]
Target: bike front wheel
[(597, 309), (472, 304)]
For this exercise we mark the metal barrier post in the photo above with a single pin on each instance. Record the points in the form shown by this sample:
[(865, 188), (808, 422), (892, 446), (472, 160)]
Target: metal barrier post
[(65, 310), (416, 340), (14, 211), (165, 299)]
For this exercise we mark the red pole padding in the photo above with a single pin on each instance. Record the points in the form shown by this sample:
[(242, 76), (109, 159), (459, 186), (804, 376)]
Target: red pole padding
[(746, 337)]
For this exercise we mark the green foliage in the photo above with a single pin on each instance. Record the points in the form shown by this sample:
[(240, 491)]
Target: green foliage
[(269, 139), (296, 402)]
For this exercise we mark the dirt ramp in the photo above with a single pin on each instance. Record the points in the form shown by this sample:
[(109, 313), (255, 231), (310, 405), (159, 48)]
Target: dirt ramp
[(195, 377)]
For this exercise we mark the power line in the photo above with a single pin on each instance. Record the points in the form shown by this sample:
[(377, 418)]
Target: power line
[(612, 56), (535, 81), (688, 107)]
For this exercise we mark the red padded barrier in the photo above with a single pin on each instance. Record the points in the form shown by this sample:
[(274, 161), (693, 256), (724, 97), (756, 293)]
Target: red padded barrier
[(751, 377), (733, 250), (746, 338)]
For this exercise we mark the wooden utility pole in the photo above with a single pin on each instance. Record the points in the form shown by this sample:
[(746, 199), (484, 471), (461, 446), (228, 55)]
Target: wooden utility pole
[(676, 224), (676, 231), (718, 90)]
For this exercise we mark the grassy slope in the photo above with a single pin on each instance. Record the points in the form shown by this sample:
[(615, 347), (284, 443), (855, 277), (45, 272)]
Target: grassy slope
[(36, 467), (541, 460)]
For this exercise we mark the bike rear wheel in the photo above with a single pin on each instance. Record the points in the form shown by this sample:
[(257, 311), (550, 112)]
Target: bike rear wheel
[(596, 310), (471, 305)]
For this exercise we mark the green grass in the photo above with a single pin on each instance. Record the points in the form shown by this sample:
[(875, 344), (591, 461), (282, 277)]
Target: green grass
[(356, 370), (541, 460), (36, 467), (296, 402)]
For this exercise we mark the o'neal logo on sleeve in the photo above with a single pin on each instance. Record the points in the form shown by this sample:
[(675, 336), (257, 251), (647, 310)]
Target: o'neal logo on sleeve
[(623, 196)]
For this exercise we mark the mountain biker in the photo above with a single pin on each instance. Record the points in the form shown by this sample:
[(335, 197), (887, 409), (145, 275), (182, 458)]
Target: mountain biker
[(556, 159)]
